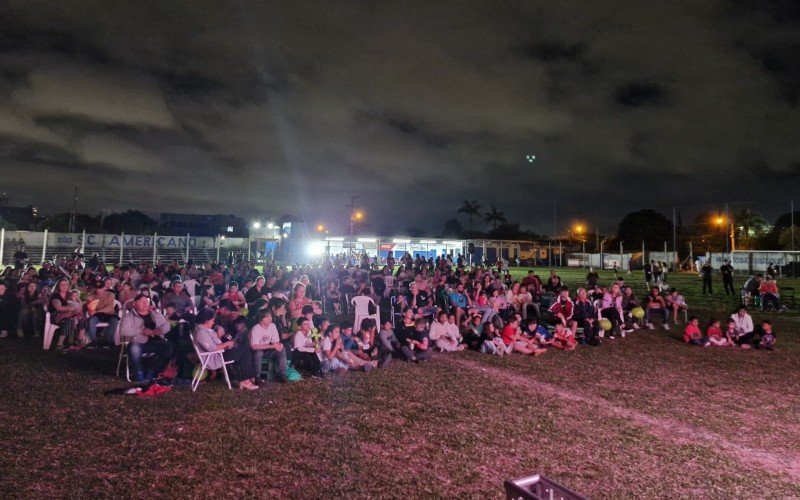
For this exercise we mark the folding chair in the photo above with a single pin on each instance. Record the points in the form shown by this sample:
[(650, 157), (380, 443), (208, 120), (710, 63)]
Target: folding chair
[(205, 357), (49, 329), (104, 324), (123, 354)]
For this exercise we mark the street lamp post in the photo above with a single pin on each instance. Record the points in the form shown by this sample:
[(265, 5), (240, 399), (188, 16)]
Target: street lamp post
[(719, 220), (355, 217), (580, 229)]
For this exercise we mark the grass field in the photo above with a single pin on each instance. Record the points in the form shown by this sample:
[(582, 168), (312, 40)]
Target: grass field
[(644, 416)]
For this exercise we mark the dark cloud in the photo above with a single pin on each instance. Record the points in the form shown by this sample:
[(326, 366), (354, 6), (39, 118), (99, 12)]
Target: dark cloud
[(640, 95), (271, 108)]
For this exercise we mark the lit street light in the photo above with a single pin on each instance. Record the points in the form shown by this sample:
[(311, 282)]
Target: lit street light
[(579, 229)]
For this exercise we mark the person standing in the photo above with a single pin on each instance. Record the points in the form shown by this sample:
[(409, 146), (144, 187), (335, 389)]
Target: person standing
[(20, 257), (727, 277), (706, 272)]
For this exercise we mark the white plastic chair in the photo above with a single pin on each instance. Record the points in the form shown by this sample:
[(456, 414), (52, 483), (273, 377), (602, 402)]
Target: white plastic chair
[(104, 324), (361, 305), (205, 357), (49, 329), (123, 348)]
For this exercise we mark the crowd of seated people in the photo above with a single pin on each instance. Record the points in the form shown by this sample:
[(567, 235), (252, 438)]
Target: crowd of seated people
[(286, 319), (739, 332)]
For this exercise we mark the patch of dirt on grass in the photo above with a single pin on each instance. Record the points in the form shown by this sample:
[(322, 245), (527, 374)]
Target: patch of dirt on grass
[(671, 430)]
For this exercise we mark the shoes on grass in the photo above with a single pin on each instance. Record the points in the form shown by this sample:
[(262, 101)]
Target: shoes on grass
[(248, 385)]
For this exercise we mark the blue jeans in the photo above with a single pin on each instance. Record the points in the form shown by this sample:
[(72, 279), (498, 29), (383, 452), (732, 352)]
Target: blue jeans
[(659, 310), (107, 331), (161, 351)]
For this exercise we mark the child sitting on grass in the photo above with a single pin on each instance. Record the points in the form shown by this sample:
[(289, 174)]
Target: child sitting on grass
[(492, 342), (563, 338), (714, 334), (730, 333), (692, 334), (768, 340)]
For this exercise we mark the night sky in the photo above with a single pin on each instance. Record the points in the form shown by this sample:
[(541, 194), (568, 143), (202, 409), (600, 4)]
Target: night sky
[(266, 108)]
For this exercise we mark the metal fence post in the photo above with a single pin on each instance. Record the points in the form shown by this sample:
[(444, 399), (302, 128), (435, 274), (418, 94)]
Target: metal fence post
[(44, 245), (217, 245), (155, 238), (187, 248), (643, 258), (83, 242), (121, 246), (560, 255), (2, 244)]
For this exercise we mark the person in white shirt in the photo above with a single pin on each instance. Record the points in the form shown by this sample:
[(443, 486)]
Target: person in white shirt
[(743, 327), (266, 343), (441, 333), (332, 350), (305, 352)]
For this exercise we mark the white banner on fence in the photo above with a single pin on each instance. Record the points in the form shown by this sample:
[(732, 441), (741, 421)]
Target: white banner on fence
[(753, 261), (36, 239)]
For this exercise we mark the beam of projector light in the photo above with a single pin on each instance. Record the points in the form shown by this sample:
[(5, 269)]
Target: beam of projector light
[(289, 148)]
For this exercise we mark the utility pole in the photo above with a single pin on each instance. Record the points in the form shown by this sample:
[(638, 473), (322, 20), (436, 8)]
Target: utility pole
[(674, 236), (597, 235), (555, 218), (74, 213), (350, 215), (352, 207), (727, 225)]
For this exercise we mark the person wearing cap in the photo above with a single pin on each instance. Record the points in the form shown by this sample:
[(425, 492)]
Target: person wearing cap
[(144, 330)]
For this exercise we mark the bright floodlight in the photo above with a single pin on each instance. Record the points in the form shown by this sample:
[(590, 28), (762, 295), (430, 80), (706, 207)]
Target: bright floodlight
[(316, 248), (270, 225), (530, 158), (256, 225)]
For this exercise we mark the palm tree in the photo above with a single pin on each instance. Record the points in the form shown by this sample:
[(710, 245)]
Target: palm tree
[(751, 225), (471, 208), (494, 217)]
